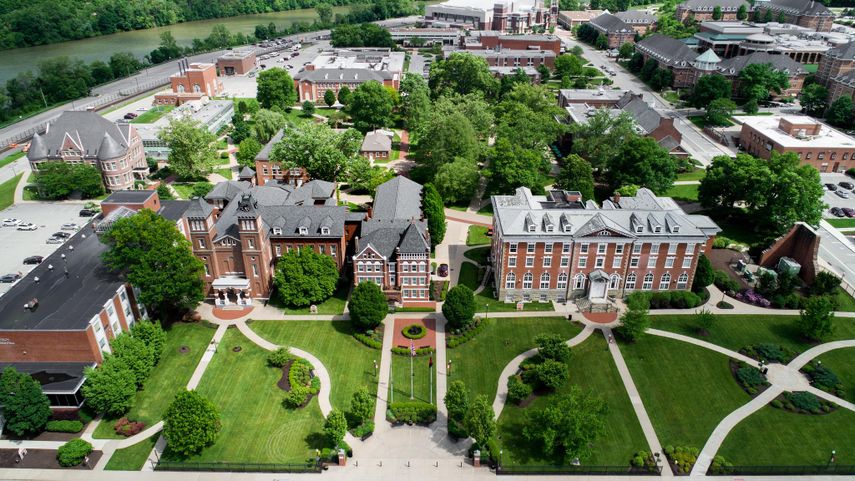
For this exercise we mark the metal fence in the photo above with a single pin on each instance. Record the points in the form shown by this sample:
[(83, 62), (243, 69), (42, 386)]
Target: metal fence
[(577, 470), (310, 467), (829, 469)]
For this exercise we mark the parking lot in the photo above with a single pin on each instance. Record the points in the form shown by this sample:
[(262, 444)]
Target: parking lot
[(831, 198), (18, 245)]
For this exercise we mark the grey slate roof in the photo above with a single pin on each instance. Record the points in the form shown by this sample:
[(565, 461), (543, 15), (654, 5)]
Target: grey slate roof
[(246, 173), (198, 208), (173, 209), (845, 51), (227, 190), (636, 16), (710, 4), (645, 116), (800, 7), (264, 153), (344, 75), (667, 50), (87, 131), (376, 141), (384, 236), (781, 63), (399, 198), (609, 23)]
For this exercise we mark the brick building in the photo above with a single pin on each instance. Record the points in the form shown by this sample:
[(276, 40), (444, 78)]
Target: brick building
[(393, 249), (501, 15), (834, 70), (796, 72), (616, 30), (816, 144), (701, 10), (492, 40), (267, 170), (804, 13), (559, 246), (192, 82), (236, 62), (377, 145), (573, 18), (509, 58), (672, 54), (640, 20), (116, 150), (337, 68)]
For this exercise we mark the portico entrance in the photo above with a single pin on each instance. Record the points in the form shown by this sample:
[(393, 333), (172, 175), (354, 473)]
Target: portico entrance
[(231, 291), (598, 289)]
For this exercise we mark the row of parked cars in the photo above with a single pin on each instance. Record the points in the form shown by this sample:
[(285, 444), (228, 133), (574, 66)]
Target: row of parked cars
[(59, 237), (842, 189)]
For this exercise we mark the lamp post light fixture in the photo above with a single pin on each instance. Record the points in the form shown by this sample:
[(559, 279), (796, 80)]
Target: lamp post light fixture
[(487, 311), (375, 368), (64, 264)]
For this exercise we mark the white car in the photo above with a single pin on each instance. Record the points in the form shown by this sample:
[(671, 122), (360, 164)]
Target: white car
[(70, 226), (11, 222), (28, 226)]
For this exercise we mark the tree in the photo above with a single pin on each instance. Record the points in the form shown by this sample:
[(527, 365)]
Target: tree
[(635, 320), (458, 180), (305, 277), (825, 284), (782, 17), (415, 101), (767, 17), (325, 153), (816, 319), (434, 211), (247, 150), (157, 258), (152, 335), (325, 13), (704, 273), (480, 421), (709, 88), (813, 99), (362, 404), (191, 422), (462, 73), (58, 180), (512, 166), (602, 42), (362, 35), (267, 123), (840, 113), (642, 162), (758, 81), (716, 13), (719, 112), (459, 306), (601, 138), (568, 64), (507, 82), (371, 106), (636, 63), (308, 108), (576, 174), (473, 106), (335, 427), (101, 72), (456, 401), (543, 71), (276, 89), (329, 98), (551, 346), (190, 152), (569, 425), (445, 139), (550, 374), (26, 408), (123, 64), (368, 305), (344, 94), (626, 50), (661, 79), (649, 69), (110, 388), (742, 12), (135, 354)]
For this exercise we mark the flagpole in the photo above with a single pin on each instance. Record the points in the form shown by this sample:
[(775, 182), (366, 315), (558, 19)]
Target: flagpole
[(412, 355), (391, 386), (430, 373)]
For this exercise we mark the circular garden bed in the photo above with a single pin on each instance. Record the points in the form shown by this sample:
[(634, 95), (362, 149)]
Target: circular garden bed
[(414, 331)]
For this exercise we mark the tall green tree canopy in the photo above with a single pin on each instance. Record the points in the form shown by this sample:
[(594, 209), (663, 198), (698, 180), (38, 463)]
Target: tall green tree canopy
[(446, 138), (415, 101), (601, 138), (26, 408), (814, 99), (569, 425), (325, 153), (58, 180), (642, 162), (458, 180), (362, 35), (276, 89), (576, 174), (462, 73), (709, 88), (190, 152), (191, 423), (304, 277), (267, 123), (368, 305), (512, 166), (110, 388), (840, 112), (758, 81), (434, 210), (370, 106)]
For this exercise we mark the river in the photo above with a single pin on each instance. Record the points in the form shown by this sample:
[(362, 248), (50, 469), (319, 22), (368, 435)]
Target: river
[(141, 42)]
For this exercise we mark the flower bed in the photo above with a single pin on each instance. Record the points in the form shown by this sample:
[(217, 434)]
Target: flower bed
[(414, 331), (302, 383), (750, 296)]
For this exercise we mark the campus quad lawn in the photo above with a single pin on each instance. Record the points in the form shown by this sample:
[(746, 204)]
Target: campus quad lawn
[(683, 192), (256, 427), (479, 362), (842, 363), (477, 236), (170, 376), (332, 306), (687, 390), (735, 331), (470, 276), (776, 437), (7, 191), (484, 301), (591, 368), (132, 458), (845, 302), (696, 174), (478, 254), (421, 378), (349, 362)]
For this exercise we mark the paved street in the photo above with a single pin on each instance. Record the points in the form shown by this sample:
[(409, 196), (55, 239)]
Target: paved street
[(838, 251)]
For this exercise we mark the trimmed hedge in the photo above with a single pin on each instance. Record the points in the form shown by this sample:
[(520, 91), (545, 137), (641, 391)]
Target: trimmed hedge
[(518, 390), (303, 384), (405, 351), (73, 452), (368, 341), (279, 357), (420, 331), (669, 299), (416, 412), (64, 426), (454, 340)]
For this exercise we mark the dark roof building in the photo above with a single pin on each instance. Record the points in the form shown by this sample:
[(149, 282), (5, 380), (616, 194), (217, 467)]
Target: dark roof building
[(804, 13), (616, 31)]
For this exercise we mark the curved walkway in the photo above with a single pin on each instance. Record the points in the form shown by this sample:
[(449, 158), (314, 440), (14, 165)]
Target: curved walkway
[(799, 361), (704, 344)]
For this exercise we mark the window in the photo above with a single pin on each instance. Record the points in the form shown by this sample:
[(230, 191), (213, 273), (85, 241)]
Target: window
[(529, 248), (512, 248), (665, 281), (651, 261), (325, 231), (683, 281), (639, 229), (690, 249), (669, 262), (332, 249), (547, 249), (619, 249), (197, 225), (617, 261), (565, 248), (250, 243), (510, 280), (421, 266), (630, 281), (202, 244), (600, 262), (687, 262), (601, 248), (547, 262), (277, 231), (529, 261), (544, 280), (512, 261), (583, 249), (304, 231), (322, 249), (579, 282), (254, 270), (654, 248), (614, 282), (672, 248), (636, 248), (648, 282), (634, 262), (565, 261), (528, 280), (360, 267), (562, 281), (583, 262), (278, 249)]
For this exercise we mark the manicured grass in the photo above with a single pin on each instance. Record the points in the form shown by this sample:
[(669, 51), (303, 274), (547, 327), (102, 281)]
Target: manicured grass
[(470, 275), (687, 390), (349, 362), (171, 375), (477, 236), (485, 298), (591, 368), (811, 67), (400, 388), (153, 114), (737, 331), (683, 192), (224, 171), (696, 174), (7, 191), (185, 190), (671, 96), (132, 458), (479, 362), (478, 254), (776, 437), (842, 222), (296, 117), (11, 158), (842, 363), (701, 122), (332, 306), (256, 427), (845, 302), (458, 208)]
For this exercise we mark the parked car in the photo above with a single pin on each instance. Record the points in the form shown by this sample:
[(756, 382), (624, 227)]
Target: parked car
[(842, 193), (28, 226), (443, 270), (55, 240), (130, 116), (831, 187), (8, 278), (849, 212), (33, 260), (61, 235), (87, 213), (11, 222), (70, 226), (846, 185), (837, 212)]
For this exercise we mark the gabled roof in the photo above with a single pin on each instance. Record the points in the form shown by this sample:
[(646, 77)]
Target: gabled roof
[(667, 50), (246, 173), (845, 51), (781, 63), (646, 117), (710, 4), (385, 236), (610, 23), (264, 153), (801, 7), (636, 16), (86, 131), (227, 190), (398, 198), (198, 209), (376, 141)]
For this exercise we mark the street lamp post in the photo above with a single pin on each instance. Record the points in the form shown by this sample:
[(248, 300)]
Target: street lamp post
[(375, 368), (64, 264), (487, 311), (831, 459)]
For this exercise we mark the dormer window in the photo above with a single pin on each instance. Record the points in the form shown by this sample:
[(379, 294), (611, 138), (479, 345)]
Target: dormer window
[(304, 231), (531, 227), (657, 229), (277, 231), (550, 228), (567, 227), (639, 229), (675, 229), (325, 230)]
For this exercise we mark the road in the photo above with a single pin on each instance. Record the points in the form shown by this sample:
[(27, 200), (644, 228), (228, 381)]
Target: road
[(697, 144), (838, 251)]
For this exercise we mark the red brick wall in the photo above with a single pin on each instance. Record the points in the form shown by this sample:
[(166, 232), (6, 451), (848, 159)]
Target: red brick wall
[(825, 159), (801, 244)]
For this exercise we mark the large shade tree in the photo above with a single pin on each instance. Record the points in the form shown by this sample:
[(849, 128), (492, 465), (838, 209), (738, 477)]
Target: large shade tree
[(325, 153), (26, 408), (304, 277), (191, 154), (276, 89), (462, 73)]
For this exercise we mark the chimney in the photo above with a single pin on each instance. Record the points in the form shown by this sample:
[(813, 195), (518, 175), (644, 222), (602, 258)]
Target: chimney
[(616, 198)]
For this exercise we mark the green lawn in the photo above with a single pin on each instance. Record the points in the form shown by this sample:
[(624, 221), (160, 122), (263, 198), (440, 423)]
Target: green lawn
[(153, 114), (7, 191), (671, 96), (479, 362), (842, 363), (701, 122), (696, 174), (132, 458), (169, 377), (811, 67), (11, 158), (687, 390), (477, 236), (332, 306), (737, 331), (224, 171), (478, 254), (842, 222), (845, 302), (349, 362), (400, 388), (185, 190), (484, 301), (683, 192), (591, 367), (256, 427), (776, 437), (470, 275)]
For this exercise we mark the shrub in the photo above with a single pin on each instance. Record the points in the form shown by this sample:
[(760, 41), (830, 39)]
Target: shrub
[(414, 331), (551, 374), (474, 329), (405, 351), (551, 346), (279, 357), (296, 397), (804, 400), (822, 378), (368, 340), (456, 430), (73, 452), (724, 305), (65, 426), (825, 283), (724, 282), (777, 404), (128, 428), (417, 412), (683, 457), (773, 353), (363, 429), (518, 390), (750, 376)]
